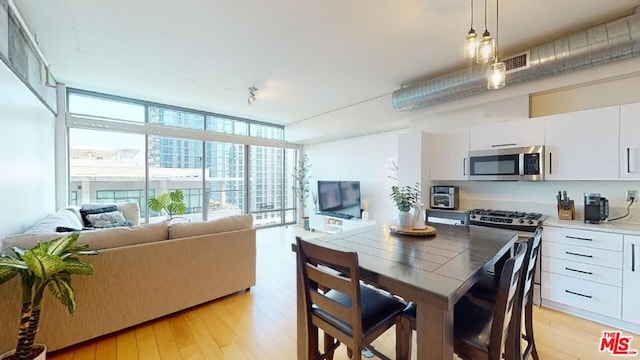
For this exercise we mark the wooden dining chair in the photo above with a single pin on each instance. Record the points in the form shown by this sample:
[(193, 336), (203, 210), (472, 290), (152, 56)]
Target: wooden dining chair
[(485, 292), (335, 301), (480, 333)]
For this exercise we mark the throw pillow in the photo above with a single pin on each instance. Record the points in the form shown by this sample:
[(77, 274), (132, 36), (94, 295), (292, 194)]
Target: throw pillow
[(92, 211), (106, 218)]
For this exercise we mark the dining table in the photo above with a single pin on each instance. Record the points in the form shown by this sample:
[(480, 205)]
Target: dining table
[(432, 271)]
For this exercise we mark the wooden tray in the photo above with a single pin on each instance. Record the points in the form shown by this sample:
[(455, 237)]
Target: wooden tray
[(429, 230)]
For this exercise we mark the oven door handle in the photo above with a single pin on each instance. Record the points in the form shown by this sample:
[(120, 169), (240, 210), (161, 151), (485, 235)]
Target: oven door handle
[(521, 164)]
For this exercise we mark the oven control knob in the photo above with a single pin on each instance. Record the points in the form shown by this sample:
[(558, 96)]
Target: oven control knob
[(521, 221), (530, 222), (473, 216)]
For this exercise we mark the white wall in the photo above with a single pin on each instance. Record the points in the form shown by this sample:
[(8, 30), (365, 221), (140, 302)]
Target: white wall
[(27, 182), (363, 158)]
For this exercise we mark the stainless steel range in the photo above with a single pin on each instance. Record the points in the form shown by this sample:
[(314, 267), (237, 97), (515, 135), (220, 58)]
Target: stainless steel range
[(524, 223), (514, 220)]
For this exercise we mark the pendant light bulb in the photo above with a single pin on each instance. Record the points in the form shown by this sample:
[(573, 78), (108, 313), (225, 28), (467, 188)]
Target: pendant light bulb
[(486, 51), (496, 76), (471, 44), (471, 41)]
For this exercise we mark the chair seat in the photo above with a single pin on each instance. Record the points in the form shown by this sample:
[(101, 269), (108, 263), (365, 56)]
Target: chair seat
[(472, 323), (377, 308)]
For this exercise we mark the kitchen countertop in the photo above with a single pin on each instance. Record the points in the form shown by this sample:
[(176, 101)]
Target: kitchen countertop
[(610, 227)]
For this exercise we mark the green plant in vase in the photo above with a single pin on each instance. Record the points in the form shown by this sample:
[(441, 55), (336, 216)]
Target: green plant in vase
[(405, 197), (48, 265), (302, 186)]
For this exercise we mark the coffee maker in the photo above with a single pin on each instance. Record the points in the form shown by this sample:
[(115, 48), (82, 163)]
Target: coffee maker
[(596, 208)]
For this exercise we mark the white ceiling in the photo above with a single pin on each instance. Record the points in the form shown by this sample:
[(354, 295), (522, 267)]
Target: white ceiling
[(306, 57)]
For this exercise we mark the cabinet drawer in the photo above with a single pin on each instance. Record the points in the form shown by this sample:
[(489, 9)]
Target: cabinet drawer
[(600, 274), (598, 298), (588, 238), (595, 239), (582, 254)]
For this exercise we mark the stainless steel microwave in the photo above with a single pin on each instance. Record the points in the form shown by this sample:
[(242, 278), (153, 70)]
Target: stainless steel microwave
[(521, 163)]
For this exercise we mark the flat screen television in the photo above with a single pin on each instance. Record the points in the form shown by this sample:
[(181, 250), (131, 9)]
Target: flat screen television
[(339, 198)]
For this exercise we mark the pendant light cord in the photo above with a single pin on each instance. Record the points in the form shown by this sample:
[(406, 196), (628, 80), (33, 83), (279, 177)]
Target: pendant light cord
[(471, 14), (485, 15), (497, 28)]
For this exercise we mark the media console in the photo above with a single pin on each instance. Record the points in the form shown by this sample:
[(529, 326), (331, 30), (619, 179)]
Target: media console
[(331, 224)]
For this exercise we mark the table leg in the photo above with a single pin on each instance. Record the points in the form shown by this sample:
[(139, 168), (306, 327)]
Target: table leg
[(434, 332)]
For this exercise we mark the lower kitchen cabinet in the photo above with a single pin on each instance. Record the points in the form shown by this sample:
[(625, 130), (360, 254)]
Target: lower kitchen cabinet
[(582, 269), (631, 280)]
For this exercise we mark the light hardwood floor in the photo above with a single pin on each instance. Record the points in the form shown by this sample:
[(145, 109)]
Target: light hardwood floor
[(261, 324)]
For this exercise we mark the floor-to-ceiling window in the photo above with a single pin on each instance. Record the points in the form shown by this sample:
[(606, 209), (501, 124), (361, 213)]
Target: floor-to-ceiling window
[(129, 150)]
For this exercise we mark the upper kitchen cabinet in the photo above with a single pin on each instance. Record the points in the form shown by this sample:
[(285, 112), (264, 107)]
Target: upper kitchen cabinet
[(582, 145), (507, 134), (630, 141), (449, 155)]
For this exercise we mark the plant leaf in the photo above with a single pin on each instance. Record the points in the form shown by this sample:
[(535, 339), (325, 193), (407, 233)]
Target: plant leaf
[(75, 266), (60, 287), (61, 244), (43, 265), (176, 196), (7, 273)]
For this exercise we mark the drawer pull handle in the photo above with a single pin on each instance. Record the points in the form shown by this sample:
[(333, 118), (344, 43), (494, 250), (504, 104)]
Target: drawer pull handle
[(502, 145), (580, 271), (575, 293), (576, 254), (577, 238), (633, 257)]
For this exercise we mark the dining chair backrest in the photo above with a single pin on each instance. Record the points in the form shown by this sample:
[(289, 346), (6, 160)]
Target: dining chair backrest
[(531, 260), (329, 269), (506, 301)]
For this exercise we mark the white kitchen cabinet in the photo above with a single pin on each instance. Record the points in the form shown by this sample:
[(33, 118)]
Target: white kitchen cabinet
[(507, 134), (449, 155), (631, 280), (630, 141), (582, 145), (583, 269)]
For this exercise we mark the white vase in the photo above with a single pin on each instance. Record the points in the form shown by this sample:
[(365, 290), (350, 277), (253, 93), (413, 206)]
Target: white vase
[(405, 220), (41, 356), (418, 216), (365, 216)]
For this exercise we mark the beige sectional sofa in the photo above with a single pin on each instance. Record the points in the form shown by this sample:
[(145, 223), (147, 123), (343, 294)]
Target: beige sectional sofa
[(143, 272)]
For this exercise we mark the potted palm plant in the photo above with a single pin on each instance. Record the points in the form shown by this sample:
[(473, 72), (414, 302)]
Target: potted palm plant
[(302, 186), (172, 203), (48, 265)]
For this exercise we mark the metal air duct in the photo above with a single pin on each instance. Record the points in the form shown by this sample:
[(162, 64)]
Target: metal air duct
[(601, 44)]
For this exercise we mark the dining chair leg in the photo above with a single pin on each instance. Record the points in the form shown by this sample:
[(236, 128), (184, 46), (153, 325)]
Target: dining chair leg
[(350, 353), (528, 328), (328, 343), (312, 343), (405, 339)]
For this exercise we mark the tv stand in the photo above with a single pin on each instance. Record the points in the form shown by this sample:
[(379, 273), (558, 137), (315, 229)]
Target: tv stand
[(333, 224)]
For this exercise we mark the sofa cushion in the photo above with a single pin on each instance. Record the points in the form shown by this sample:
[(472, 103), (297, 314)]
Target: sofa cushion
[(107, 219), (86, 211), (230, 223), (123, 236), (63, 218), (26, 241), (130, 210)]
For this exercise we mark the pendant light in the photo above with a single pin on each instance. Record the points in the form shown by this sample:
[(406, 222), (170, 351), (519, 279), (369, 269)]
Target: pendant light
[(471, 41), (487, 47), (496, 75)]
